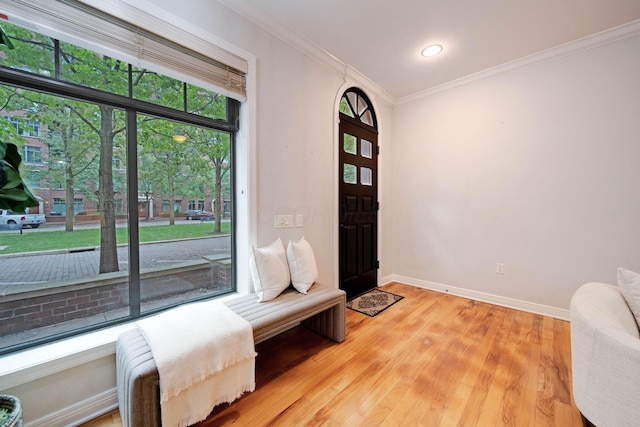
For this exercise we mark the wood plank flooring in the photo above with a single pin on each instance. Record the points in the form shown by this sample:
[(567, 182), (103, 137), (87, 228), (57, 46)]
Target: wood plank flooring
[(430, 360)]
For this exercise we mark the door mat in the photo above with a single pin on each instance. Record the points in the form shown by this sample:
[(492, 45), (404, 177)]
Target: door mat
[(373, 302)]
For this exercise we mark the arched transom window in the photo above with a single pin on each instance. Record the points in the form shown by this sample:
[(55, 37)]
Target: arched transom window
[(356, 105)]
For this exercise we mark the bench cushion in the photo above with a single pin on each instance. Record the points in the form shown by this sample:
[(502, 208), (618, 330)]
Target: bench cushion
[(269, 318), (323, 310)]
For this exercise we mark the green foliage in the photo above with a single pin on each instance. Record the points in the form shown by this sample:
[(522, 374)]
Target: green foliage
[(158, 89), (5, 40), (33, 51), (14, 193), (206, 103), (4, 416), (91, 69)]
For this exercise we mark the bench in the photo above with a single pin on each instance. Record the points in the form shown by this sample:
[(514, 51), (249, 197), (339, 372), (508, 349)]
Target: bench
[(321, 310)]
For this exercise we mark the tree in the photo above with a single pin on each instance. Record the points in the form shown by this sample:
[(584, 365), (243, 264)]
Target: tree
[(209, 148), (73, 152), (155, 137), (148, 178), (88, 68), (218, 152), (215, 146)]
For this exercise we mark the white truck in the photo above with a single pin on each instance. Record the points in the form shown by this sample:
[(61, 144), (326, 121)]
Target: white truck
[(10, 217)]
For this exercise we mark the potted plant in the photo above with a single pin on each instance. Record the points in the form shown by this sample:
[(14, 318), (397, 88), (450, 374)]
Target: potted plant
[(14, 193), (10, 411)]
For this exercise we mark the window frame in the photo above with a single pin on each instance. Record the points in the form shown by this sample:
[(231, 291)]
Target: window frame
[(29, 151), (133, 107)]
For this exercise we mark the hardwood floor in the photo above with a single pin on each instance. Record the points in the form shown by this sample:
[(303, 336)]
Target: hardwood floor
[(430, 360)]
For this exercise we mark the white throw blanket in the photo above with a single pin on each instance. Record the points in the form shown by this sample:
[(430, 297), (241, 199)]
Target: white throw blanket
[(205, 356)]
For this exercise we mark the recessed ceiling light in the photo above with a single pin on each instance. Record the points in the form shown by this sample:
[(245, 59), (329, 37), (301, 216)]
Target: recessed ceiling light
[(432, 50)]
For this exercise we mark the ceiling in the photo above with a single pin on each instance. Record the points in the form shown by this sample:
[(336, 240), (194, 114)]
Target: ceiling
[(382, 39)]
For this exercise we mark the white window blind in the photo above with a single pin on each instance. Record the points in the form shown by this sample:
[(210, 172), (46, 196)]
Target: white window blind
[(180, 56)]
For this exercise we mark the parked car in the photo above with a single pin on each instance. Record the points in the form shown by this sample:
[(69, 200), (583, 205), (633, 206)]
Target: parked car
[(201, 215), (10, 217)]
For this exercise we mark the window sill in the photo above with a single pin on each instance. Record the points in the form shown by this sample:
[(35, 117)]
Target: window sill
[(35, 363)]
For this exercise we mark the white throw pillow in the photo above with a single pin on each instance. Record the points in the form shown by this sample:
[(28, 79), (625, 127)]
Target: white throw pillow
[(269, 270), (629, 284), (302, 265)]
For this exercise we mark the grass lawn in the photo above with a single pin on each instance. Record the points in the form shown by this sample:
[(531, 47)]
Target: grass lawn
[(33, 241)]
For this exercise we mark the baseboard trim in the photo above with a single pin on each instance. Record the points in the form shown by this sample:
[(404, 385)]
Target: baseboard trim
[(79, 413), (530, 307)]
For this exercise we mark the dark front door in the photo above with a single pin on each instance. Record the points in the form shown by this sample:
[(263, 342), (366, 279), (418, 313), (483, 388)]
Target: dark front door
[(358, 206)]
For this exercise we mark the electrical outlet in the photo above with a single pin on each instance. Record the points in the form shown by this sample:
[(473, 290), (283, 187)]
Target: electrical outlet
[(499, 268)]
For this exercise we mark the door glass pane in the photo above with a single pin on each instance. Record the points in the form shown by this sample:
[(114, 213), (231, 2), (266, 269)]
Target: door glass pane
[(366, 148), (362, 105), (367, 118), (350, 144), (350, 174), (344, 107), (365, 176), (353, 99)]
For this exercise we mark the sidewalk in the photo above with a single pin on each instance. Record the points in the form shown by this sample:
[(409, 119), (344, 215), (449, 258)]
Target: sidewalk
[(58, 265)]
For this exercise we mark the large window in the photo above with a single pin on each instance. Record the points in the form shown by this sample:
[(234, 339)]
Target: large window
[(117, 142)]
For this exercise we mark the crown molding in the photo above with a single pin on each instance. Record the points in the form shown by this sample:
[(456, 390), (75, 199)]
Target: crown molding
[(307, 47), (586, 43), (353, 75), (292, 38)]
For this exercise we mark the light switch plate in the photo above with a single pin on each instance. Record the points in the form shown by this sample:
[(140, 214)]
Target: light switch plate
[(283, 221)]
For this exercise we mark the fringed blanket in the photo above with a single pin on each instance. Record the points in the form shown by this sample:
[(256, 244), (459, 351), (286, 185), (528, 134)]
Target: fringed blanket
[(205, 356)]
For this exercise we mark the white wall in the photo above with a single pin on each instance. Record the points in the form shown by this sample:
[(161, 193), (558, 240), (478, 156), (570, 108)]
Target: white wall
[(535, 168)]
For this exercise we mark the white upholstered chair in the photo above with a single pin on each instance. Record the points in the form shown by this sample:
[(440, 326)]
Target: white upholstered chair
[(605, 353)]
